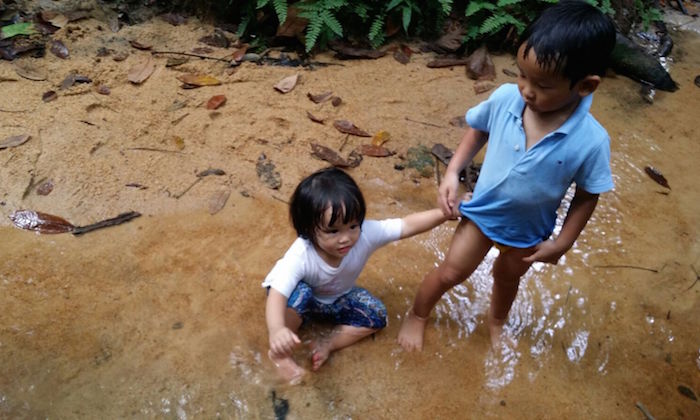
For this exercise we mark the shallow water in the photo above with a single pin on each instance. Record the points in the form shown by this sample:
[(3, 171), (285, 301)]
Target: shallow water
[(164, 316)]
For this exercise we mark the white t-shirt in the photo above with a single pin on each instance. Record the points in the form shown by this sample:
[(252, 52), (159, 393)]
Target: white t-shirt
[(302, 262)]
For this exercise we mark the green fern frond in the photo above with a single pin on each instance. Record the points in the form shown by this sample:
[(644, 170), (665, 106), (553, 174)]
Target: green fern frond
[(504, 3), (261, 4), (331, 22), (281, 9), (406, 17), (313, 30), (376, 31), (446, 6), (492, 24), (476, 6)]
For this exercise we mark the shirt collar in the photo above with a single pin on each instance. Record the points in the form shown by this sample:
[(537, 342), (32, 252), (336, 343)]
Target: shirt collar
[(517, 107)]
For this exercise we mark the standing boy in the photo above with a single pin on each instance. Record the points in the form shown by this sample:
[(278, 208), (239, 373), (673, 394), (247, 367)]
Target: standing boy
[(541, 139)]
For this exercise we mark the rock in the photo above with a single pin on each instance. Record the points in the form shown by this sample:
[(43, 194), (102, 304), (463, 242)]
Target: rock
[(632, 61)]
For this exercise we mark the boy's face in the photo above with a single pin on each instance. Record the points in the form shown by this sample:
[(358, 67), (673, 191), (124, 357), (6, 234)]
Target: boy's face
[(335, 241), (544, 90)]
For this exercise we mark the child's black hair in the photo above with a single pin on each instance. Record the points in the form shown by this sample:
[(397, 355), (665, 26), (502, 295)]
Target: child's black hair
[(574, 37), (329, 187)]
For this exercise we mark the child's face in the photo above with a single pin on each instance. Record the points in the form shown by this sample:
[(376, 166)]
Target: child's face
[(544, 90), (335, 241)]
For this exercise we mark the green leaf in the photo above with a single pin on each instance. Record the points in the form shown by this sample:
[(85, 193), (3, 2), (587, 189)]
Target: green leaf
[(393, 4), (332, 22), (406, 17), (23, 28), (476, 6)]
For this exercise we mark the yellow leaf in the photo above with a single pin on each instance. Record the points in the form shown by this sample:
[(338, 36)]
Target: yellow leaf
[(198, 80), (380, 138)]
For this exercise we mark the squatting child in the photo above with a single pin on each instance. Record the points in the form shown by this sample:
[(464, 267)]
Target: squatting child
[(315, 279), (541, 139)]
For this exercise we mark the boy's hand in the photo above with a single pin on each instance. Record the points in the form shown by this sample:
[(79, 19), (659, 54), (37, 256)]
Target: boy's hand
[(283, 341), (547, 251)]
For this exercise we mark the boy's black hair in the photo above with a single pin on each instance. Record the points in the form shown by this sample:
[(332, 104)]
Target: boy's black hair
[(329, 187), (574, 37)]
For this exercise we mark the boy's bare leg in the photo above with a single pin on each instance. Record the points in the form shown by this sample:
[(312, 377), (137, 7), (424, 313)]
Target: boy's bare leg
[(342, 336), (507, 270), (468, 248), (286, 367)]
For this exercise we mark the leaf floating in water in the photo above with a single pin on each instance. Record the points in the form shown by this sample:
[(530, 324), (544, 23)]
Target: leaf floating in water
[(656, 176), (59, 49), (318, 98), (287, 84), (216, 101), (40, 222), (196, 80), (14, 141), (375, 151), (140, 72), (349, 128)]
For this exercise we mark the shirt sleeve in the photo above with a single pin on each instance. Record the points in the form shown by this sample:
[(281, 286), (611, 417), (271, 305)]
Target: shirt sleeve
[(595, 175), (380, 232), (478, 117), (288, 271)]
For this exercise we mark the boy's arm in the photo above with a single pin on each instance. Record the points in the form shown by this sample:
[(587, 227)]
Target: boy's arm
[(416, 223), (282, 339), (580, 210), (472, 141)]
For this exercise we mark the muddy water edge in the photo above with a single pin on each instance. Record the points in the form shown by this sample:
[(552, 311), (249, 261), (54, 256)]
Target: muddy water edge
[(164, 316)]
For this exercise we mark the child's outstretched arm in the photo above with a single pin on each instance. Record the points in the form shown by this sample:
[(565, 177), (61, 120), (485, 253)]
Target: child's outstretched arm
[(580, 210), (416, 223), (282, 339), (472, 141)]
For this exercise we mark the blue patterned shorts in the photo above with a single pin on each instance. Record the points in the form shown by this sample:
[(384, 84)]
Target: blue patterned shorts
[(357, 308)]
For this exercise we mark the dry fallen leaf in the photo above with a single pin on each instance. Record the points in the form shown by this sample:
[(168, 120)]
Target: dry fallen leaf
[(59, 49), (139, 73), (375, 151), (332, 157), (216, 101), (287, 84), (218, 201), (318, 98), (349, 128), (380, 138), (196, 80), (30, 73), (140, 46), (49, 96), (314, 118), (14, 141), (40, 222)]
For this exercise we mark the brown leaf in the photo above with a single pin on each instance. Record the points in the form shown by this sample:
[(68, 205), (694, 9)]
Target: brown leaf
[(401, 57), (56, 19), (336, 101), (30, 73), (14, 141), (103, 90), (239, 53), (59, 49), (140, 72), (320, 97), (331, 156), (347, 127), (375, 151), (216, 101), (287, 84), (218, 201), (49, 96), (40, 222), (657, 176), (140, 46), (313, 118), (196, 80), (293, 26)]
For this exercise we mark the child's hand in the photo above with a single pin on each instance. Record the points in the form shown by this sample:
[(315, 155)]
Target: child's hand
[(546, 251), (283, 341), (447, 194)]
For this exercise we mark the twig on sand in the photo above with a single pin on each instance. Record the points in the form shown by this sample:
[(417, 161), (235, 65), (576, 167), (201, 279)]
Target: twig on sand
[(279, 199), (644, 411), (628, 266), (153, 149), (425, 123), (697, 278), (203, 57), (17, 111), (122, 218)]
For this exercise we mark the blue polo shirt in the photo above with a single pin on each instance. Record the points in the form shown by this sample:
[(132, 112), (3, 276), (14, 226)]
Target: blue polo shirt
[(518, 193)]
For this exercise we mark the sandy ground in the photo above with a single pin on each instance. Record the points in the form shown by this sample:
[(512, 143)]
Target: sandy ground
[(163, 316)]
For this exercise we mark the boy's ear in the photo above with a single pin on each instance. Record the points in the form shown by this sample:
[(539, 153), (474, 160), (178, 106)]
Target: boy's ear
[(588, 84)]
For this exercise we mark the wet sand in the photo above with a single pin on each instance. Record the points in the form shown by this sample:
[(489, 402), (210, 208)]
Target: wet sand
[(164, 316)]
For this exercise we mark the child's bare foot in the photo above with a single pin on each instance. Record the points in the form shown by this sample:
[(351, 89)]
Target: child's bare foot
[(320, 350), (499, 337), (411, 332), (287, 368)]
